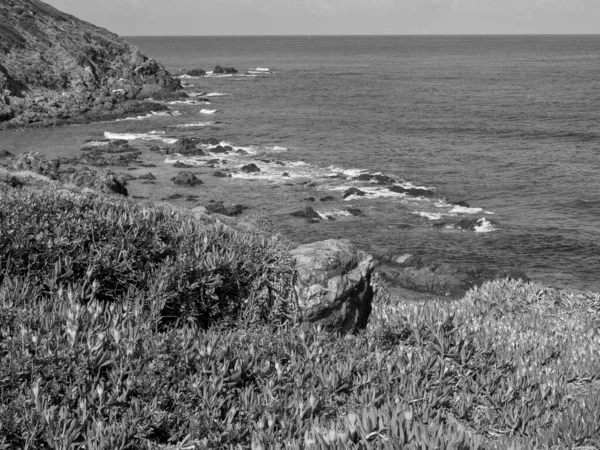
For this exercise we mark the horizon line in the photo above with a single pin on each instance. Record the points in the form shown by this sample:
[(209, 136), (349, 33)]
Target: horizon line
[(368, 35)]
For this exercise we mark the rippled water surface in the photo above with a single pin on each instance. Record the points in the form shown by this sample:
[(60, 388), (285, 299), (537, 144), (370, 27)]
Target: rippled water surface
[(509, 125)]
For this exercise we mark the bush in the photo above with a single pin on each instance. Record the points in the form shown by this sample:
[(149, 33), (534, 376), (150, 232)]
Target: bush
[(208, 272), (87, 361)]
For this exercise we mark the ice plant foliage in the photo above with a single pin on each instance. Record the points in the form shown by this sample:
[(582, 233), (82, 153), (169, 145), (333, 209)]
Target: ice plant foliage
[(124, 326)]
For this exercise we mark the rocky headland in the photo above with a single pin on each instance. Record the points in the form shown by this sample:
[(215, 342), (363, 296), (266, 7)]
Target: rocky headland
[(57, 69)]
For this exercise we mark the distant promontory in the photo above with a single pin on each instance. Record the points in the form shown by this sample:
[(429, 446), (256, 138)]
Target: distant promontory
[(56, 69)]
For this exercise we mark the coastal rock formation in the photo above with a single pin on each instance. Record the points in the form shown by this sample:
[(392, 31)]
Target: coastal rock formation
[(334, 284), (55, 69), (226, 210), (353, 191), (249, 168), (186, 178), (413, 192), (440, 278), (307, 213), (187, 146), (37, 163), (218, 70), (192, 72)]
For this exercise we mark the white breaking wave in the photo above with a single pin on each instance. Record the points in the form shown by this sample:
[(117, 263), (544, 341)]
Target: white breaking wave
[(464, 210), (208, 111), (184, 102), (215, 94), (96, 143), (151, 114), (429, 215), (191, 125), (484, 226), (151, 136)]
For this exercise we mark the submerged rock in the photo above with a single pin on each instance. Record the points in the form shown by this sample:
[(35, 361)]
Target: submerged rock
[(226, 210), (186, 178), (333, 285), (249, 168), (187, 146), (413, 192), (380, 179), (329, 198), (355, 212), (224, 70), (306, 213), (353, 191), (444, 279)]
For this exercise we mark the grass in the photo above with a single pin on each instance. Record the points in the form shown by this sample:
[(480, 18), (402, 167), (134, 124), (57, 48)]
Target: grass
[(131, 326)]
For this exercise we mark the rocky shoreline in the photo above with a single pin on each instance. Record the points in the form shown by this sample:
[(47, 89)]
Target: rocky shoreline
[(56, 69)]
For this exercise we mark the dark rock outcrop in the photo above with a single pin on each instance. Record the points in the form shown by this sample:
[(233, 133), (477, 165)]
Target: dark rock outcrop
[(333, 285), (355, 212), (37, 163), (380, 179), (226, 210), (306, 213), (224, 70), (353, 191), (413, 192), (187, 146), (249, 168), (192, 72), (57, 69), (186, 178), (443, 279), (328, 198)]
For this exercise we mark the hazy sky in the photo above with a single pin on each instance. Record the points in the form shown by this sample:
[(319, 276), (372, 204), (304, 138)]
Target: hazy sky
[(265, 17)]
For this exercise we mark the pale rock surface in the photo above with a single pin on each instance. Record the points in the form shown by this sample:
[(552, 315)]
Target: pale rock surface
[(333, 284)]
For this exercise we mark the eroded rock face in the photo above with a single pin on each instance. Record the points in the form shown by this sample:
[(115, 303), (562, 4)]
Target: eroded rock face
[(55, 69), (334, 284)]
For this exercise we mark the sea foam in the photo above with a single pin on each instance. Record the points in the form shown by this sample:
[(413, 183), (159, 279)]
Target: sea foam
[(151, 136)]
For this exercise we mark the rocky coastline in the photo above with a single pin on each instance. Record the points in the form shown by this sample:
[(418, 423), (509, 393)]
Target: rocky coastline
[(56, 69)]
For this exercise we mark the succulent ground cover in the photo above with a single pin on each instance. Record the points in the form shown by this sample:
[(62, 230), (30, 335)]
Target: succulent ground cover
[(130, 326)]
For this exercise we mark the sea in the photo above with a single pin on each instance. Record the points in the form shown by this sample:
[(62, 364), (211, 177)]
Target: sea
[(504, 130)]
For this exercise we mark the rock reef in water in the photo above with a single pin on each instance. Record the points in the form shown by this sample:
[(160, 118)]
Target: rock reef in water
[(56, 69)]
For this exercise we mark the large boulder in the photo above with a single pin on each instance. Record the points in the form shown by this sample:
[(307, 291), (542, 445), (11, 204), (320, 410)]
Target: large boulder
[(333, 285)]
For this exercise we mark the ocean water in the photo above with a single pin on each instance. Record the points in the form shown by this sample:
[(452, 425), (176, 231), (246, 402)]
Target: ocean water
[(508, 124)]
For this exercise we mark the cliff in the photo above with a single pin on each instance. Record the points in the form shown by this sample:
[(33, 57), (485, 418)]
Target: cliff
[(55, 68)]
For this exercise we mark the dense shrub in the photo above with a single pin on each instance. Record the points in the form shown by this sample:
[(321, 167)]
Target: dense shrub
[(210, 272), (512, 365)]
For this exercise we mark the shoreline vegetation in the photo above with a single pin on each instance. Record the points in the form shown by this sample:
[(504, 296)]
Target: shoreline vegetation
[(128, 324)]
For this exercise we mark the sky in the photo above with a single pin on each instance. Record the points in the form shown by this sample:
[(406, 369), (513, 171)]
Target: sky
[(315, 17)]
